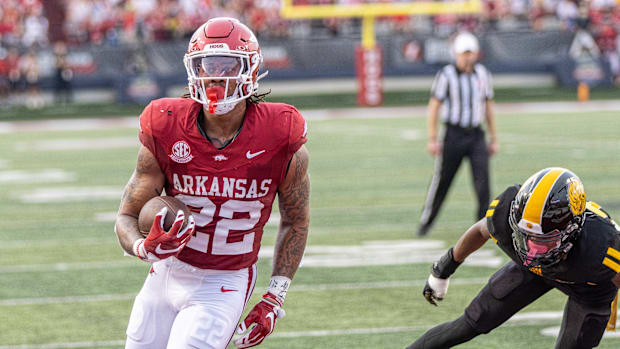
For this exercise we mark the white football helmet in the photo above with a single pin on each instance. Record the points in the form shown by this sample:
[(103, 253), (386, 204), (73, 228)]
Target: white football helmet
[(221, 52)]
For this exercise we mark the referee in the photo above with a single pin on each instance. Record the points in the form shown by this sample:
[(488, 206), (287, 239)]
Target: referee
[(465, 92)]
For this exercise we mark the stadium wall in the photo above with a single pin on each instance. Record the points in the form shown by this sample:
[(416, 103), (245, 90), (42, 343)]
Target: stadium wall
[(141, 72)]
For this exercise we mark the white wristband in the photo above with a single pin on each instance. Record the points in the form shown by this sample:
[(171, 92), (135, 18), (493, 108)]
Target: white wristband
[(138, 249), (278, 286)]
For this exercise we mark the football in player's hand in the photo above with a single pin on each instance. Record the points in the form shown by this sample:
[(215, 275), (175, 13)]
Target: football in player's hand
[(153, 206)]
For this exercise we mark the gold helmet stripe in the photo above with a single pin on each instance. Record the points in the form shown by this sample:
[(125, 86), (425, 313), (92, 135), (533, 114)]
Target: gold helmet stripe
[(535, 204)]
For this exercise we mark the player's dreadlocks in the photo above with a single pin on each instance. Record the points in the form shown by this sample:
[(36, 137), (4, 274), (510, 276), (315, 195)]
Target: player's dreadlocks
[(258, 97)]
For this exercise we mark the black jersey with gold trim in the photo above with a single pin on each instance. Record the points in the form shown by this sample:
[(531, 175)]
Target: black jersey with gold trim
[(593, 260)]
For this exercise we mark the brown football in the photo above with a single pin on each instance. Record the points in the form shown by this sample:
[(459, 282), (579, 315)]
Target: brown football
[(153, 206)]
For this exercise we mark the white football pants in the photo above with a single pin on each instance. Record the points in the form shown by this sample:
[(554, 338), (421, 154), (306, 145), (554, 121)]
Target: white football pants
[(182, 307)]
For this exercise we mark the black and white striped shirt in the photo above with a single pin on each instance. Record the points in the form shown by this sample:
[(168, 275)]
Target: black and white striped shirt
[(464, 95)]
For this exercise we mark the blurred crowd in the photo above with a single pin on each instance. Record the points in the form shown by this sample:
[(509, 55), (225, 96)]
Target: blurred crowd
[(27, 25)]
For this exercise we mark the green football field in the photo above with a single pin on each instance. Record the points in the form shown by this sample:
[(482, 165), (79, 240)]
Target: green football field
[(64, 282)]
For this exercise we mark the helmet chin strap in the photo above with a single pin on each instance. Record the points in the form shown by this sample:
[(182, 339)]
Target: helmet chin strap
[(224, 108), (214, 94)]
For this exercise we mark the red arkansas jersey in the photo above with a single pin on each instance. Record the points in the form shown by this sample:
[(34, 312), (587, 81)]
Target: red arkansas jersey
[(230, 191)]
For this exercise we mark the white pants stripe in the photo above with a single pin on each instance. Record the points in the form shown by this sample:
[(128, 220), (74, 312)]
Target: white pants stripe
[(432, 189), (250, 290)]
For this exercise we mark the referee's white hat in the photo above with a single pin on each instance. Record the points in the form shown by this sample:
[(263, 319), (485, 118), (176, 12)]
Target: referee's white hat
[(464, 42)]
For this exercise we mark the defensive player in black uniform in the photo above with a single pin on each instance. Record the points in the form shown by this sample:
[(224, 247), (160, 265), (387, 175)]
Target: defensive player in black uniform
[(556, 239)]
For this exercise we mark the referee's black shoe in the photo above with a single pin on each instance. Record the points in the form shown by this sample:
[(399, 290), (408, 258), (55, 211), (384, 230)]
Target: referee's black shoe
[(422, 230)]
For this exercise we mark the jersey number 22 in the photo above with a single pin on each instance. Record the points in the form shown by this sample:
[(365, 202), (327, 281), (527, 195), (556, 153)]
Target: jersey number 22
[(220, 246)]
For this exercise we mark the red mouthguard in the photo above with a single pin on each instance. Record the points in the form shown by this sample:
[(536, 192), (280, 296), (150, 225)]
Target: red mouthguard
[(213, 95)]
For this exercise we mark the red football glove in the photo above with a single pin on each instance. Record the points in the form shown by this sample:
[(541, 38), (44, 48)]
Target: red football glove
[(263, 315), (160, 244)]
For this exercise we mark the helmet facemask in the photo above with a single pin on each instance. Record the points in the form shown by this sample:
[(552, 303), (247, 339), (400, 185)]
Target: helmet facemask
[(542, 249), (212, 72)]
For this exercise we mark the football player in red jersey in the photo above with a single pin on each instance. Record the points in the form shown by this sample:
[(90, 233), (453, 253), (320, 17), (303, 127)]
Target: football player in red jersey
[(226, 156), (555, 239)]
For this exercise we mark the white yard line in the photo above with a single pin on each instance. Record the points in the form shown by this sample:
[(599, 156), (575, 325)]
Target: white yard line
[(105, 216), (350, 331), (382, 284), (65, 300), (69, 125), (258, 290), (396, 252), (320, 114), (501, 108), (79, 144), (554, 331), (66, 345), (49, 267), (542, 316), (40, 176), (70, 194), (15, 244), (412, 134)]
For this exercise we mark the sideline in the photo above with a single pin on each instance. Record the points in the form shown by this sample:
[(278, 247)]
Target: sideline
[(320, 114)]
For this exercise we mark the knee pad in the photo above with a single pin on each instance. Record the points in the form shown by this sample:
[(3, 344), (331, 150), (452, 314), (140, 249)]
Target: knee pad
[(446, 335), (500, 285), (583, 325), (592, 330), (506, 293), (149, 323), (141, 328)]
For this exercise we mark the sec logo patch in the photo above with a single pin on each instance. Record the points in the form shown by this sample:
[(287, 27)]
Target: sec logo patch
[(181, 152)]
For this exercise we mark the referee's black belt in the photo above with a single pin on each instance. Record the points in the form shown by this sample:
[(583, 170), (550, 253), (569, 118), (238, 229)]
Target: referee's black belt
[(466, 130)]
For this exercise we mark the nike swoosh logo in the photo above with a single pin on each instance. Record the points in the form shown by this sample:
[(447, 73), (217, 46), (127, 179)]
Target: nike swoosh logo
[(227, 290), (252, 155), (160, 250)]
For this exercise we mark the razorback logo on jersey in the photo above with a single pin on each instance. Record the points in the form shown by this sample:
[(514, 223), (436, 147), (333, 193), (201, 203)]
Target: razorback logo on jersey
[(181, 152)]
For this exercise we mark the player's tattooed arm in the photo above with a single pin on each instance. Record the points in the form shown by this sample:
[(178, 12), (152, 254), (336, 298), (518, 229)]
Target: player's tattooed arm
[(294, 204), (145, 183)]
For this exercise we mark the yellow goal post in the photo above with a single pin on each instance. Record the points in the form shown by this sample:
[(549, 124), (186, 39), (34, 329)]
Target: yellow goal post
[(369, 11)]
